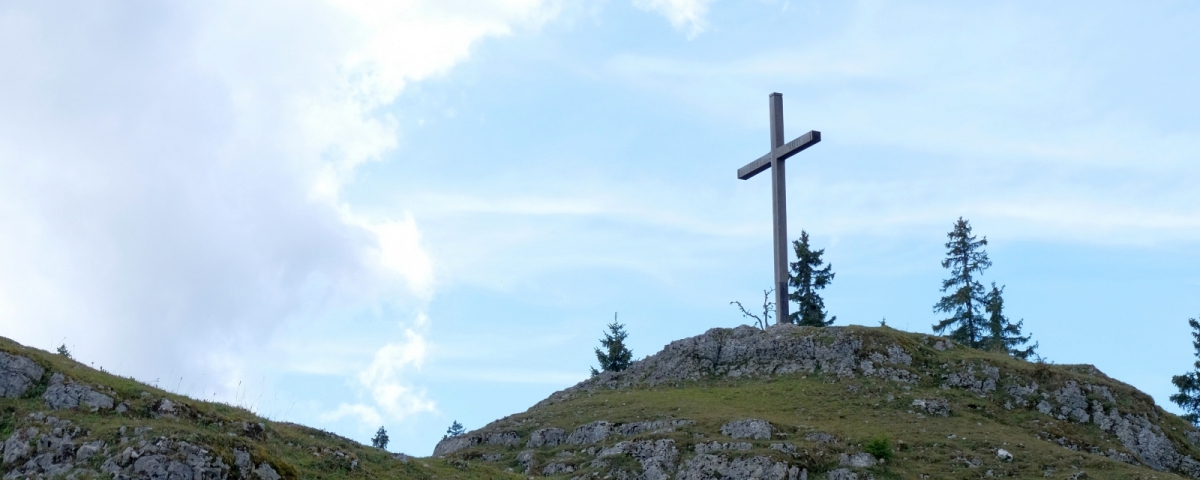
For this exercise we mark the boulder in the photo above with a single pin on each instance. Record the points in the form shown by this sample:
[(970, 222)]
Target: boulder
[(748, 428), (63, 393), (547, 437), (17, 374), (594, 432)]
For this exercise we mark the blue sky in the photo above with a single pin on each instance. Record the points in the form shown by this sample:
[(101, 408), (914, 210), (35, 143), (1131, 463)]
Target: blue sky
[(360, 213)]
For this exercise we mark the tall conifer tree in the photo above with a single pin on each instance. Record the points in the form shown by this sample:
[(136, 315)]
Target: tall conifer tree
[(806, 278), (1188, 397), (966, 260), (615, 356), (1002, 335)]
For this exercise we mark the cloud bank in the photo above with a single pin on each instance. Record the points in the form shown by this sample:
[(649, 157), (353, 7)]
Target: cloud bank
[(171, 181)]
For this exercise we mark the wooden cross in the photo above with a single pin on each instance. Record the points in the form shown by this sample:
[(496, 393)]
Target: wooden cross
[(774, 161)]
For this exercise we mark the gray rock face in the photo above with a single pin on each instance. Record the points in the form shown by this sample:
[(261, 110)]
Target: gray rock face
[(708, 466), (594, 432), (857, 460), (52, 451), (453, 444), (979, 378), (657, 457), (16, 448), (749, 428), (842, 474), (546, 437), (265, 472), (721, 447), (557, 468), (750, 352), (656, 426), (1071, 403), (17, 374), (525, 458), (933, 406), (63, 393)]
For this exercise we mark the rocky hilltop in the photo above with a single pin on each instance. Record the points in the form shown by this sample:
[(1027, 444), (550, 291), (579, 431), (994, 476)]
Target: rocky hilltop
[(61, 419), (839, 403)]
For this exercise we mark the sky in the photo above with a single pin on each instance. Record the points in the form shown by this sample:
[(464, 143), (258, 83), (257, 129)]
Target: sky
[(359, 213)]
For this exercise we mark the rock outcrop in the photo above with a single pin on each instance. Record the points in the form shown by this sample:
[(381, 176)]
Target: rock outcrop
[(17, 374), (63, 393), (834, 354)]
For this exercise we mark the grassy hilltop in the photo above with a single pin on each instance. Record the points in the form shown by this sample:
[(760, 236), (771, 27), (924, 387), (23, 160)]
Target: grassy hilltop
[(936, 409), (789, 402), (145, 432)]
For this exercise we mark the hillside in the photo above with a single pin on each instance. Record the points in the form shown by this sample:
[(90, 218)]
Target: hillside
[(786, 403), (61, 419), (797, 403)]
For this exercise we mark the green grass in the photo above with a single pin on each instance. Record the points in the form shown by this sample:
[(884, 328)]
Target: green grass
[(858, 411), (862, 409), (295, 451)]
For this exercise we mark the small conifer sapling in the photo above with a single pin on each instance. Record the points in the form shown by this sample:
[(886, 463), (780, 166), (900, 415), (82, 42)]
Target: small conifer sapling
[(1188, 384), (455, 430), (62, 350), (380, 440), (614, 356), (806, 278), (966, 260)]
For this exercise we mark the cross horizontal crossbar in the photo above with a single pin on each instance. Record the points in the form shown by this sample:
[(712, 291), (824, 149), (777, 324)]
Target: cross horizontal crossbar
[(782, 153)]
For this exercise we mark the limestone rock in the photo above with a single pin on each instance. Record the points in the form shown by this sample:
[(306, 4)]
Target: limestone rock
[(934, 406), (16, 448), (557, 468), (17, 374), (748, 428), (657, 457), (980, 378), (546, 437), (857, 460), (458, 442), (706, 466), (750, 352), (842, 474), (63, 393), (655, 426), (720, 447), (266, 472), (594, 432)]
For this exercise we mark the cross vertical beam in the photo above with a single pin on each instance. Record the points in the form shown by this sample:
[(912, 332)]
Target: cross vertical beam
[(779, 210), (774, 161)]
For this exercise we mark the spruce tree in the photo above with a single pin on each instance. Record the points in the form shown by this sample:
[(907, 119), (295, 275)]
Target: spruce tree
[(380, 440), (1188, 397), (806, 278), (455, 430), (615, 356), (966, 260), (1002, 335)]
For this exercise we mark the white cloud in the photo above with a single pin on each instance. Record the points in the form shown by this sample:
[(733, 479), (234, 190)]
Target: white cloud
[(400, 250), (171, 177), (384, 380), (689, 15)]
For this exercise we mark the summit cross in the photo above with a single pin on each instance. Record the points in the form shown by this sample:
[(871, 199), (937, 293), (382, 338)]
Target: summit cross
[(774, 161)]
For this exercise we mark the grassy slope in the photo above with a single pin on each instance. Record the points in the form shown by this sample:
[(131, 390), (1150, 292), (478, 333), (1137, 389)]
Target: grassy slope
[(856, 410), (288, 447)]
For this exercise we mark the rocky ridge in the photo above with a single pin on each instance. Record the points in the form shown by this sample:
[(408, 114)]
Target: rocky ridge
[(1132, 429), (62, 419)]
